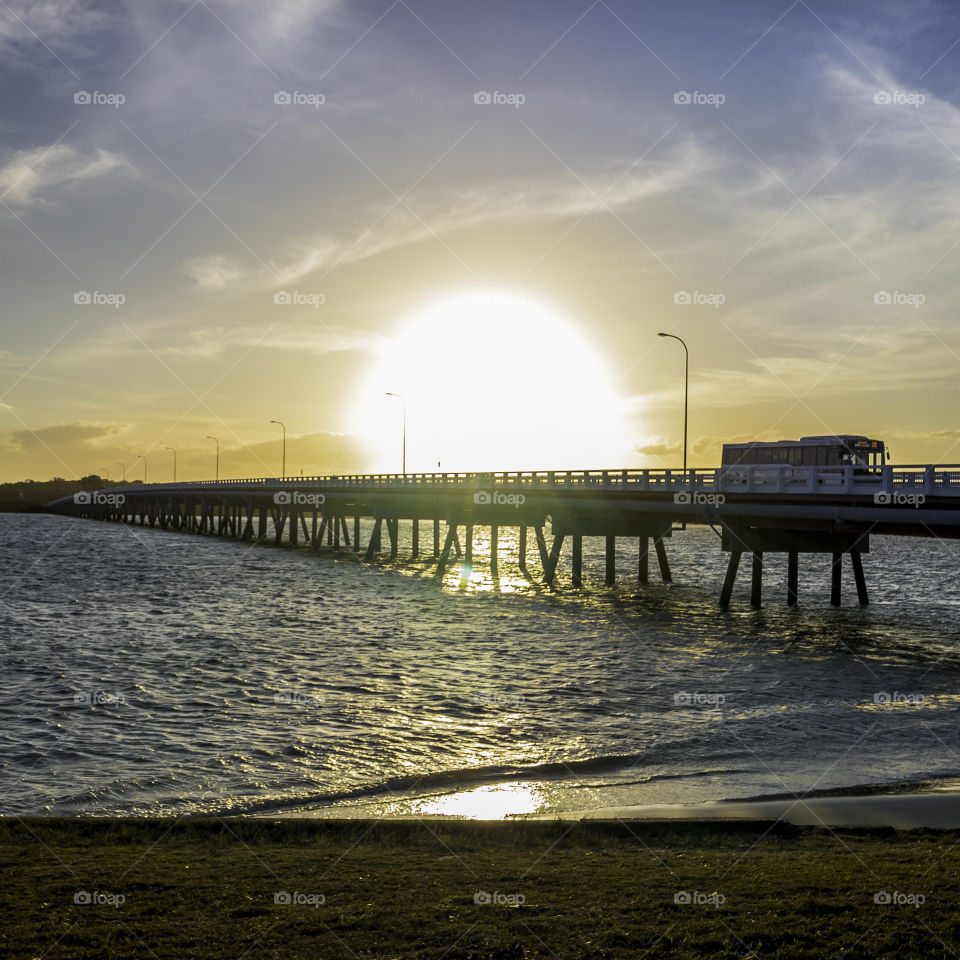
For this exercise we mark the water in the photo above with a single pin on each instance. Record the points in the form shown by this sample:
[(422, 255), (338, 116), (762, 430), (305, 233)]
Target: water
[(150, 672)]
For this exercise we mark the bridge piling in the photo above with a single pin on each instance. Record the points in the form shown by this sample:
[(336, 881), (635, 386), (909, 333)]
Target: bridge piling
[(550, 572), (858, 577), (576, 561), (610, 576), (522, 549), (756, 579), (415, 538), (643, 562), (374, 545), (447, 547), (793, 571), (730, 579), (542, 548), (356, 532), (665, 574), (494, 548), (836, 568)]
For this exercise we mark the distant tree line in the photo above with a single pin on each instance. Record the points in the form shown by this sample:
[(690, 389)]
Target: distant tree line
[(33, 494)]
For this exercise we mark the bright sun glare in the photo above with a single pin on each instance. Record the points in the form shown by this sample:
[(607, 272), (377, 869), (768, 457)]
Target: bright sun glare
[(491, 381)]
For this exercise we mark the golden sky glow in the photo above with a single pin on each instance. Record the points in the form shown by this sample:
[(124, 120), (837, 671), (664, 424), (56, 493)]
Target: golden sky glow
[(216, 216)]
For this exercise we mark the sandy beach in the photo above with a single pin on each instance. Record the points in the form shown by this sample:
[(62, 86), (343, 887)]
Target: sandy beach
[(901, 811)]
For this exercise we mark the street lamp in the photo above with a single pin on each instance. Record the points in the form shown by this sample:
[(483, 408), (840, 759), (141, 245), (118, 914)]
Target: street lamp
[(217, 442), (686, 379), (143, 457), (174, 463), (404, 411), (283, 468)]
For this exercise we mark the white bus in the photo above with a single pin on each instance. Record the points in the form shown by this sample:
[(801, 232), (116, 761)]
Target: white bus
[(834, 451)]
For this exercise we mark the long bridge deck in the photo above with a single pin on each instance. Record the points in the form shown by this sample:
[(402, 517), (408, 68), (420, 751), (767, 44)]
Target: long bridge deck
[(757, 510)]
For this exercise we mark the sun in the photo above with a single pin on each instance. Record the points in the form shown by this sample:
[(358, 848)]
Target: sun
[(490, 381)]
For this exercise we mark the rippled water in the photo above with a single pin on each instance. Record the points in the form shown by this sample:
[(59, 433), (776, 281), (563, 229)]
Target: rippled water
[(148, 672)]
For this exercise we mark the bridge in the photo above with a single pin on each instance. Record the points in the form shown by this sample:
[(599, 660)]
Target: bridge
[(755, 509)]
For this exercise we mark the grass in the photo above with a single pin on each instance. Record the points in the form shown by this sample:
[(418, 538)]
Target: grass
[(207, 889)]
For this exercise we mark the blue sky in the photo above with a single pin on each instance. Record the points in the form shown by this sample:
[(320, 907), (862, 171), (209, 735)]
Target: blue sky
[(805, 202)]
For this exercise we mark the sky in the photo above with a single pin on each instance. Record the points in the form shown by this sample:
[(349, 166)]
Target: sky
[(215, 214)]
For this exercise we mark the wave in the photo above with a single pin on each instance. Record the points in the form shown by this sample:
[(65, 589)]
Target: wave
[(463, 778)]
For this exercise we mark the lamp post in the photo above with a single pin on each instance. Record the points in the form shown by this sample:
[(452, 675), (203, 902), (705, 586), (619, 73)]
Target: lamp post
[(686, 380), (174, 463), (217, 468), (283, 468), (404, 412), (143, 457)]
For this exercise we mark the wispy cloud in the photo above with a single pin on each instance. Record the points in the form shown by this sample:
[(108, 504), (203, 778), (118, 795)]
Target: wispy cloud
[(35, 176), (428, 217)]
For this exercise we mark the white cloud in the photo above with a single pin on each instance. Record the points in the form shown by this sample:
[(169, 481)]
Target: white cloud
[(25, 24), (28, 176), (422, 219), (214, 272)]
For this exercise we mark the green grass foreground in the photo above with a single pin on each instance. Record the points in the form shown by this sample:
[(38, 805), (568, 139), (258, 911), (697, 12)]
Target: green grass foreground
[(217, 888)]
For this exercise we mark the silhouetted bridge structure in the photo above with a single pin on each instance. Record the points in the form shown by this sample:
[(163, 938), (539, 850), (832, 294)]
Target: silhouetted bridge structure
[(756, 510)]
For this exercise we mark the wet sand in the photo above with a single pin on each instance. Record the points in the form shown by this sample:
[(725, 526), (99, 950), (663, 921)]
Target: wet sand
[(902, 811)]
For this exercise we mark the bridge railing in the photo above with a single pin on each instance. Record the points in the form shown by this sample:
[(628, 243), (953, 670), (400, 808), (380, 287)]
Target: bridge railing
[(602, 479), (779, 479)]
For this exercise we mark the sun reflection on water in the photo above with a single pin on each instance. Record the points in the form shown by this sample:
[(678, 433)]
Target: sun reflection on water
[(486, 803)]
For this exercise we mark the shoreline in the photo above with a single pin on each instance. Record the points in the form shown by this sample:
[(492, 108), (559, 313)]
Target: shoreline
[(927, 802), (896, 811)]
